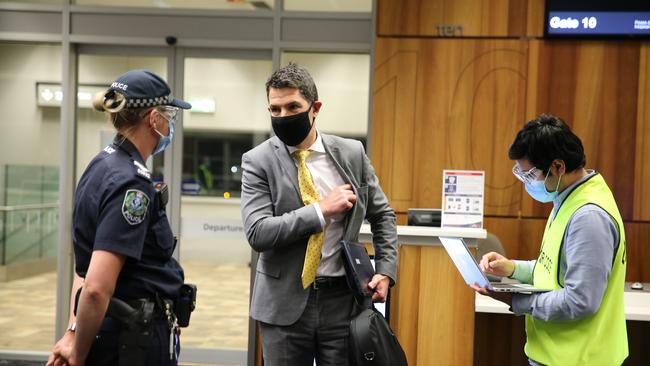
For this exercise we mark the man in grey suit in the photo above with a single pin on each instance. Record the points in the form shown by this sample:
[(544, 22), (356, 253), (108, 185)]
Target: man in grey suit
[(302, 193)]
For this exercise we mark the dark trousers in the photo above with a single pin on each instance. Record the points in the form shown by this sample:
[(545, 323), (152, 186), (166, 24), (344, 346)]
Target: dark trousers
[(320, 333), (105, 348)]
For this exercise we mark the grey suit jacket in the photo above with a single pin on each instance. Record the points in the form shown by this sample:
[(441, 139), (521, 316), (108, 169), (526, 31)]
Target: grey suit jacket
[(278, 224)]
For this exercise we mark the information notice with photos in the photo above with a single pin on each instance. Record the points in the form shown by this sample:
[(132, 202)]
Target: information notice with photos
[(462, 198)]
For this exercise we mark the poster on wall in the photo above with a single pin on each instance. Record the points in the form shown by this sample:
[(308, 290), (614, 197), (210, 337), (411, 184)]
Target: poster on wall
[(462, 198)]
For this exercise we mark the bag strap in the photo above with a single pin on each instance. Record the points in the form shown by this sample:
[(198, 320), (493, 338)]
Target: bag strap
[(363, 335), (367, 303)]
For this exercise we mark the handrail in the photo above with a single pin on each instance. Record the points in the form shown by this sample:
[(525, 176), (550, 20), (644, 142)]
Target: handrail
[(26, 249), (4, 235), (28, 207)]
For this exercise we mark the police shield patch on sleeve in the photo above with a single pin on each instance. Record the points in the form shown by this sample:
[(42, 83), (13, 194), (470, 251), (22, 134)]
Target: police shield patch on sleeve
[(134, 208)]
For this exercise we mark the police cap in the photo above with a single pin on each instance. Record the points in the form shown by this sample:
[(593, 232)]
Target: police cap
[(143, 88)]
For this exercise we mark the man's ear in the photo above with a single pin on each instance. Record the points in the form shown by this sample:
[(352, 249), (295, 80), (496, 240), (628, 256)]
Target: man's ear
[(316, 107), (560, 167)]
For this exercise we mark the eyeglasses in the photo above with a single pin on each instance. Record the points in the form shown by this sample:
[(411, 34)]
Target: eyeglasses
[(170, 113), (527, 176)]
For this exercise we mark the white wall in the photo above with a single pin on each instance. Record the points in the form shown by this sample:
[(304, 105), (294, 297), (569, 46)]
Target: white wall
[(329, 5), (342, 81), (236, 86), (31, 134), (238, 89), (189, 4), (302, 5), (28, 134)]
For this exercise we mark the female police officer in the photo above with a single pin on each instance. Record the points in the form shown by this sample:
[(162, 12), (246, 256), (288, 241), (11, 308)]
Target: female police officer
[(123, 243)]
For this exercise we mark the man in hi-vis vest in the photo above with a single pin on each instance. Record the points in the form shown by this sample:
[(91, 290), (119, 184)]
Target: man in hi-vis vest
[(582, 256)]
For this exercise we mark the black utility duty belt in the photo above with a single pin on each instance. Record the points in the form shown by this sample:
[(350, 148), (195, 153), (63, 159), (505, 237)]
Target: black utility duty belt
[(177, 311), (136, 319), (159, 310)]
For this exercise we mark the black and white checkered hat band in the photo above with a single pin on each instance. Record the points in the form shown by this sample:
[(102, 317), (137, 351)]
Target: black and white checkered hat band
[(148, 102)]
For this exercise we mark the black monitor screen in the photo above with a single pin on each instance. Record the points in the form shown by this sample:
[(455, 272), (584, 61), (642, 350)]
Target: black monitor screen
[(424, 216), (597, 19)]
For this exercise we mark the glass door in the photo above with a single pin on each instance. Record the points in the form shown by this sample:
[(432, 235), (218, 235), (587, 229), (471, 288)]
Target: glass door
[(228, 117), (29, 193)]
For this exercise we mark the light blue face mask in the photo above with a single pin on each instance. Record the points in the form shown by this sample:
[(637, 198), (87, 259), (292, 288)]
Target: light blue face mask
[(164, 140), (537, 189)]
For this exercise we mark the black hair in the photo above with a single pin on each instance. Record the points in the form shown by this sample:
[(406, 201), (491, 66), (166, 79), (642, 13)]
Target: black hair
[(545, 139), (293, 76)]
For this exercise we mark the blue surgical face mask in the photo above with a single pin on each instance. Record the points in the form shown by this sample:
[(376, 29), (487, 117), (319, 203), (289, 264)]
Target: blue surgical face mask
[(537, 189), (164, 140)]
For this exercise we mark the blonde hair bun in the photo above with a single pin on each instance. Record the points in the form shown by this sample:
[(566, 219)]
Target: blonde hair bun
[(109, 101)]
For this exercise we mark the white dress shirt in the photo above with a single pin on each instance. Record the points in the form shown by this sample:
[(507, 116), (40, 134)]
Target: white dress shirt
[(326, 177)]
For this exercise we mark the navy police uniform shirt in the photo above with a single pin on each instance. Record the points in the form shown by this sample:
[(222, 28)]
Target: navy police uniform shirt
[(116, 209)]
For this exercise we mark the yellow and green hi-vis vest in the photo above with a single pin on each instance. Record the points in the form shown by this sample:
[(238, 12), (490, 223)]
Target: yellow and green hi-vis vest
[(598, 339)]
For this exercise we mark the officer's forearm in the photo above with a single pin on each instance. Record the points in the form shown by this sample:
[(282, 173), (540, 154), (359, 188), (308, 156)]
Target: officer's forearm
[(90, 314), (97, 290), (76, 285)]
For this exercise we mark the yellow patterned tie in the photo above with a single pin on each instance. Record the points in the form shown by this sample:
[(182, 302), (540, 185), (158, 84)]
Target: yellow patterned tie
[(309, 195)]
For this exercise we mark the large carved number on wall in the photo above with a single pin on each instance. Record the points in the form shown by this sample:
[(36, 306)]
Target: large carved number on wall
[(485, 112), (447, 104), (393, 123)]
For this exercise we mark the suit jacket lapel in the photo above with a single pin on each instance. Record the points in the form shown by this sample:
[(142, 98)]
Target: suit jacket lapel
[(335, 153), (287, 164)]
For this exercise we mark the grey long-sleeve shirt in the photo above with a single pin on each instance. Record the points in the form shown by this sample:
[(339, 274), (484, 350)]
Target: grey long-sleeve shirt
[(590, 242)]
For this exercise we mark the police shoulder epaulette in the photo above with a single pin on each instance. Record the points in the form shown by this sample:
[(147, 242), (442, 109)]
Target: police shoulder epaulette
[(142, 170)]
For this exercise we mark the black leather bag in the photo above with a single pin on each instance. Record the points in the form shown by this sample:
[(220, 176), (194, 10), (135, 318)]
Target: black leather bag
[(372, 342)]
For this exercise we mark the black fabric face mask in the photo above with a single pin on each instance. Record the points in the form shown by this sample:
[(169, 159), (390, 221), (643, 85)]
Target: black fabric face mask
[(292, 130)]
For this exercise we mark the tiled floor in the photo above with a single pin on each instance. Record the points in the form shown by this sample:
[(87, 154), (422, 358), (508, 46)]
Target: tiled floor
[(27, 309)]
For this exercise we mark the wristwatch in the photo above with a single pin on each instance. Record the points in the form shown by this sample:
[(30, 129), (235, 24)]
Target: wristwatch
[(72, 328)]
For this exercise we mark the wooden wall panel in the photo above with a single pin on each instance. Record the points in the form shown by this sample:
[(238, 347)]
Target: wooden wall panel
[(638, 343), (642, 154), (446, 312), (638, 251), (469, 101), (404, 305), (472, 96), (499, 340), (521, 238), (494, 18), (593, 86), (535, 18), (393, 118), (427, 287)]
